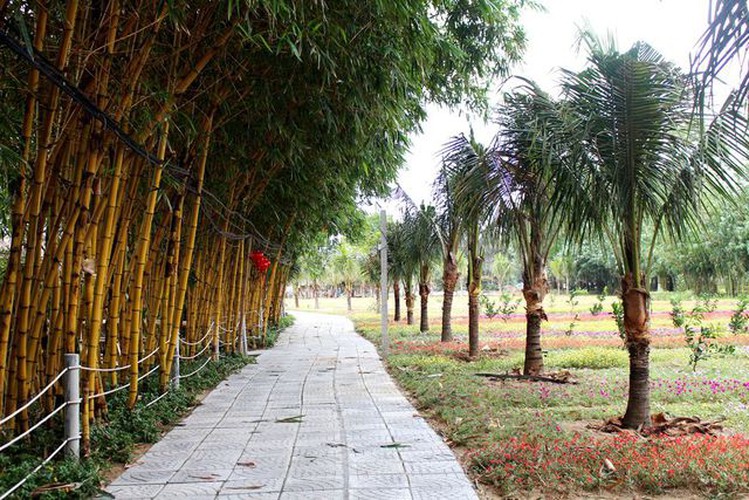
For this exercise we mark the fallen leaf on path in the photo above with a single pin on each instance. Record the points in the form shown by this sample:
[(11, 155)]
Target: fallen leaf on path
[(395, 445), (296, 419), (55, 487), (207, 477)]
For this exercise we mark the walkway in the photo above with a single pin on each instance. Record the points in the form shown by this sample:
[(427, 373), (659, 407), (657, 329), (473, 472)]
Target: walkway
[(316, 418)]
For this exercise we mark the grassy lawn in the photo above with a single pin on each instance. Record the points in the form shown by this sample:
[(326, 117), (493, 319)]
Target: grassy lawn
[(522, 437)]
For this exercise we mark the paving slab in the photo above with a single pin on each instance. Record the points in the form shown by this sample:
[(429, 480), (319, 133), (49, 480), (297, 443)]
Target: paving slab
[(315, 418)]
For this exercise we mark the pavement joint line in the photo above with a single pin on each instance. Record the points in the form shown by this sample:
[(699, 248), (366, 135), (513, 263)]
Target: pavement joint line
[(257, 423), (379, 412), (301, 410), (339, 416)]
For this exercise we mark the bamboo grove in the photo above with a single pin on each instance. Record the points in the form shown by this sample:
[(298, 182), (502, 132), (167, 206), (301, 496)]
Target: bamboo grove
[(164, 163)]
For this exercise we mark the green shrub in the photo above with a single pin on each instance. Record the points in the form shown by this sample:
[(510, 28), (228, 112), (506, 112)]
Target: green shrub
[(596, 358), (113, 439)]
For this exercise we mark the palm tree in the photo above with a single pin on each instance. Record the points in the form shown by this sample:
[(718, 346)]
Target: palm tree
[(423, 247), (448, 229), (725, 40), (347, 269), (398, 264), (513, 180), (464, 157), (633, 142)]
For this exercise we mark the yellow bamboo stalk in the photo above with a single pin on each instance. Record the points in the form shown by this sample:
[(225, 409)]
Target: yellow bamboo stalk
[(7, 299), (169, 318), (141, 254), (95, 289), (114, 315)]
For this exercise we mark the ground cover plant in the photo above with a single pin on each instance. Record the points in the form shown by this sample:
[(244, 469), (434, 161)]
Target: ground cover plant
[(519, 437), (114, 438)]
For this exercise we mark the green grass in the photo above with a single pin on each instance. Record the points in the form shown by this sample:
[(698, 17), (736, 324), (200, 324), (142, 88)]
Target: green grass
[(520, 435)]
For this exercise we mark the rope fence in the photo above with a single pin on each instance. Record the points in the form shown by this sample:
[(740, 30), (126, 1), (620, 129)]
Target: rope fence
[(71, 409), (35, 398), (34, 427), (196, 371), (207, 334), (38, 467), (188, 358), (71, 406)]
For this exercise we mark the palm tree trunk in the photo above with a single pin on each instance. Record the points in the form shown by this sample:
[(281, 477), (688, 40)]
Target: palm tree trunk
[(424, 295), (349, 293), (636, 302), (473, 324), (534, 292), (449, 279), (397, 300), (410, 299), (475, 263)]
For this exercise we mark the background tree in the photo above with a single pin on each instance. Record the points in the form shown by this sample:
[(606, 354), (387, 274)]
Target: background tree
[(423, 247), (346, 268), (449, 231), (465, 157), (515, 183)]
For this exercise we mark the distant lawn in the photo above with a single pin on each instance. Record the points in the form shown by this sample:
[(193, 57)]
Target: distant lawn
[(520, 436)]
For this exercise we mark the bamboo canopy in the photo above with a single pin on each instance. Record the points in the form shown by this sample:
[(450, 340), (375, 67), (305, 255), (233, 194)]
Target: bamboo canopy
[(152, 147)]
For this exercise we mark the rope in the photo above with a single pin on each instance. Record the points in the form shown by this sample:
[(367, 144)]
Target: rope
[(110, 391), (184, 342), (116, 389), (105, 370), (119, 368), (147, 374), (150, 355), (35, 398), (46, 461), (196, 371), (38, 424), (155, 400), (188, 358)]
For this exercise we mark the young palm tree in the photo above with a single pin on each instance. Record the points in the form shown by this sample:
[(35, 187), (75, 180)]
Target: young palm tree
[(513, 180), (346, 269), (463, 158), (397, 262), (448, 229), (423, 247), (640, 163)]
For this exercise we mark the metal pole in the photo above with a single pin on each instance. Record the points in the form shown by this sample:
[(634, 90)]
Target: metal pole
[(175, 367), (73, 408), (384, 282), (216, 344), (243, 334)]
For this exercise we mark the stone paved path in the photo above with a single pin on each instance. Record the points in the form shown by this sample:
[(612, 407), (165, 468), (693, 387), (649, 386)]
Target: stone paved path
[(316, 418)]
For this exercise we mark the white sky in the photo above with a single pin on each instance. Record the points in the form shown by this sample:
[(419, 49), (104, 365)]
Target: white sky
[(672, 27)]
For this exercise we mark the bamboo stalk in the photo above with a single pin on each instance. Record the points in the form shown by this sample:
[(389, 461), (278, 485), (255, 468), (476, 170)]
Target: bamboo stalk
[(140, 258)]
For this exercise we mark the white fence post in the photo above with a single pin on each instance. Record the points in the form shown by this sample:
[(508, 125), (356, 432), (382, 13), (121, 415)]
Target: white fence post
[(384, 282), (73, 408), (243, 335), (175, 367)]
